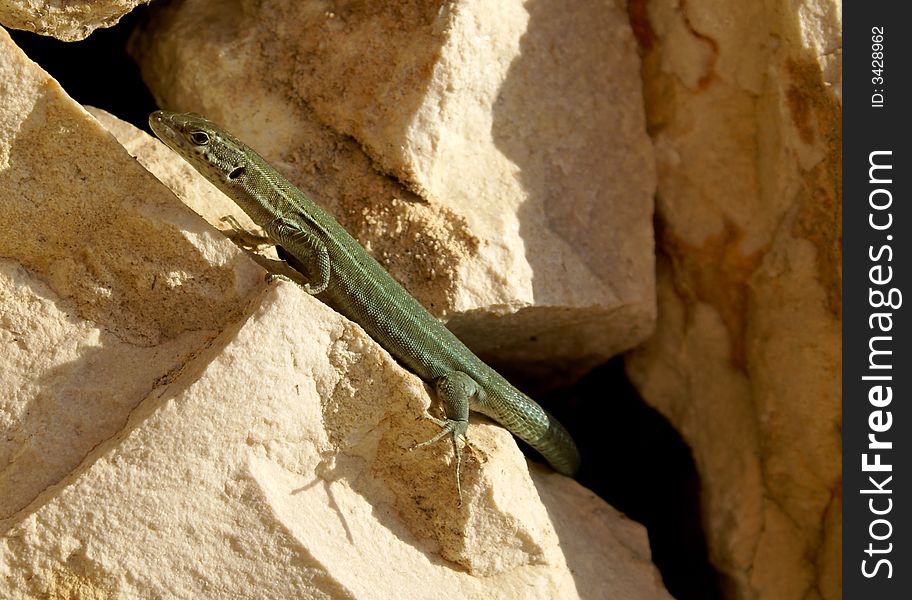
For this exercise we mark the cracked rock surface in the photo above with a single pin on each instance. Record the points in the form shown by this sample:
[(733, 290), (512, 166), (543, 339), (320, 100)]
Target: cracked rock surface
[(746, 115)]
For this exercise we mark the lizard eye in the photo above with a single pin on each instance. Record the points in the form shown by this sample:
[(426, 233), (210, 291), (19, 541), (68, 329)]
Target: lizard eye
[(200, 138)]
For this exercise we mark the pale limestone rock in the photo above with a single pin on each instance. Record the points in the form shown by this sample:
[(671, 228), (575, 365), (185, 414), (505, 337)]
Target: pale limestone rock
[(276, 465), (745, 360), (109, 283), (492, 154), (169, 430), (70, 20)]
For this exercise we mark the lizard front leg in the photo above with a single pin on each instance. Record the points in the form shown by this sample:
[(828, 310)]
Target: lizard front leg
[(308, 250)]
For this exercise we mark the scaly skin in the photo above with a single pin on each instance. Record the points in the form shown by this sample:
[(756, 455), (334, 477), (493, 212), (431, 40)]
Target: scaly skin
[(342, 274)]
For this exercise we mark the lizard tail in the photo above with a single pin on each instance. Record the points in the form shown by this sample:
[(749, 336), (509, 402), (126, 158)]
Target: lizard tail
[(558, 448)]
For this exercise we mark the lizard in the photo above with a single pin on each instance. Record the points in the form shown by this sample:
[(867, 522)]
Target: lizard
[(341, 273)]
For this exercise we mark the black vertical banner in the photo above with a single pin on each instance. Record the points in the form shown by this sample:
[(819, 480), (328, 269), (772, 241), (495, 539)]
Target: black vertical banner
[(877, 271)]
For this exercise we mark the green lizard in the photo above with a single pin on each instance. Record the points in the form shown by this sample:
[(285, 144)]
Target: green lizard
[(344, 276)]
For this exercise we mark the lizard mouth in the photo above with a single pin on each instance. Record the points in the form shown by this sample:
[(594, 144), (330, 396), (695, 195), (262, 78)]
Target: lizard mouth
[(163, 125)]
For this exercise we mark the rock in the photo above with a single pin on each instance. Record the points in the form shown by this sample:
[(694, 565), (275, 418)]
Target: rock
[(745, 360), (508, 184), (69, 21), (171, 428), (277, 464), (109, 284)]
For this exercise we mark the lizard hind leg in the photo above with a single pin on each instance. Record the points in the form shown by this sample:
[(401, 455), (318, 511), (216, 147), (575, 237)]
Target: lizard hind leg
[(454, 389)]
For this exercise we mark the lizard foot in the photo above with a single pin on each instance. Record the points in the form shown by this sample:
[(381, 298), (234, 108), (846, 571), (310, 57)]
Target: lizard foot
[(246, 239), (453, 428)]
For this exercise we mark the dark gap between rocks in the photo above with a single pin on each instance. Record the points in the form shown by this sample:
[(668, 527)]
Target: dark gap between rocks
[(96, 71), (637, 462)]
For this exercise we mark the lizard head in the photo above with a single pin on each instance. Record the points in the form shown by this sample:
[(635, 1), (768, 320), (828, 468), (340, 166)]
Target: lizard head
[(206, 146)]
